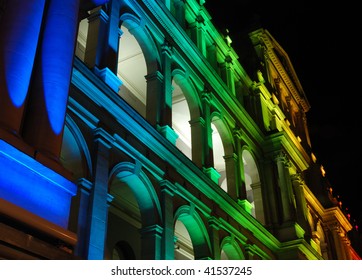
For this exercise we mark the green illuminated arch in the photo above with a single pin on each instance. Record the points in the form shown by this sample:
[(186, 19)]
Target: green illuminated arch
[(75, 155), (230, 249), (132, 176), (196, 229)]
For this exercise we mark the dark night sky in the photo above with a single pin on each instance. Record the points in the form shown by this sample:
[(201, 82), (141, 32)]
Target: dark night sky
[(322, 44)]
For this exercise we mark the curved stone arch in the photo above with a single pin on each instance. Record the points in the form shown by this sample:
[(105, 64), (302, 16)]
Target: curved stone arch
[(184, 81), (230, 249), (75, 155), (196, 229), (186, 115), (122, 250), (253, 184), (142, 189), (144, 38), (224, 131), (223, 152), (138, 65)]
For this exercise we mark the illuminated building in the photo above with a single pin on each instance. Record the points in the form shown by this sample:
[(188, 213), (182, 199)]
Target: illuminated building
[(153, 141)]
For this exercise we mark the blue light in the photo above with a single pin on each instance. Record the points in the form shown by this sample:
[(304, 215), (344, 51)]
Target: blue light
[(57, 56), (99, 2), (21, 29), (34, 187)]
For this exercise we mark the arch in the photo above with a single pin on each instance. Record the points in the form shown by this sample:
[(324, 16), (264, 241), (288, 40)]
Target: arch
[(185, 109), (222, 145), (253, 185), (230, 250), (141, 187), (184, 81), (138, 56), (144, 39), (196, 230), (75, 155), (123, 251)]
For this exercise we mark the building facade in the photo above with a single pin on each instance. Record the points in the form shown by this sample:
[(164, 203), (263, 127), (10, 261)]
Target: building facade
[(129, 129)]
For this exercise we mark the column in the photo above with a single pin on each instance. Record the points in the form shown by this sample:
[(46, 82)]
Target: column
[(212, 55), (19, 34), (198, 33), (99, 198), (85, 188), (151, 242), (208, 155), (258, 202), (48, 94), (240, 188), (232, 176), (227, 74), (159, 91), (284, 185), (214, 228), (337, 234), (103, 44), (301, 204), (197, 131), (167, 193), (180, 12)]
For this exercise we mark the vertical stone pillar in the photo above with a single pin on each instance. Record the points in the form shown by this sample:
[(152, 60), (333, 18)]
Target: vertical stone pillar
[(167, 193), (98, 204), (231, 165), (103, 44), (227, 74), (212, 55), (208, 156), (159, 96), (240, 187), (214, 228), (198, 33), (19, 35), (301, 204), (48, 94), (337, 234), (151, 242), (180, 12), (258, 202), (284, 184), (197, 132), (85, 188), (154, 98), (166, 94)]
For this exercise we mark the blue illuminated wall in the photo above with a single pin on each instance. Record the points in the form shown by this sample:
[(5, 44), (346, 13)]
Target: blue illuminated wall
[(34, 187)]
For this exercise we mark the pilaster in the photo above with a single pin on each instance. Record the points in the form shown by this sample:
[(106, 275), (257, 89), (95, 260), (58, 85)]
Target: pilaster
[(99, 197), (48, 94), (151, 239), (167, 194), (17, 55)]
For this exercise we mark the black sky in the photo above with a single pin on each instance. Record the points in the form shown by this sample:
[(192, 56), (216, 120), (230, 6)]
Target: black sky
[(322, 44)]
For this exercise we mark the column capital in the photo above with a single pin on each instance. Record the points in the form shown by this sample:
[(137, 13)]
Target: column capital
[(98, 13), (84, 184), (198, 121), (166, 48), (214, 222), (237, 133), (102, 136), (151, 230), (167, 187), (157, 75), (206, 96)]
